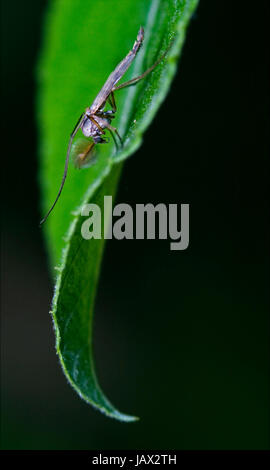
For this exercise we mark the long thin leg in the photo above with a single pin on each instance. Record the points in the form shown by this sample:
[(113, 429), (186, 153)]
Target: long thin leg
[(118, 135), (113, 129), (112, 102), (133, 81), (72, 135), (114, 139), (96, 124)]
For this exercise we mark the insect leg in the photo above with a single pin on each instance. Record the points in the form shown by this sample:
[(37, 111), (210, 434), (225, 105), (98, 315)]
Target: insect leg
[(112, 102), (72, 135), (107, 125), (114, 139), (134, 80), (96, 124), (113, 129), (110, 113)]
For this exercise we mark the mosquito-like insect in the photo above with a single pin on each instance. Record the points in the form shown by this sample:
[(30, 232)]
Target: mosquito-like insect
[(95, 120)]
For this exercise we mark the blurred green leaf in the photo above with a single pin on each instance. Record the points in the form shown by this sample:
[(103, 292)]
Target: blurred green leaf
[(84, 41)]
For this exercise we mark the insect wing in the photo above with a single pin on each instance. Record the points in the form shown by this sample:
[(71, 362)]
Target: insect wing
[(83, 153)]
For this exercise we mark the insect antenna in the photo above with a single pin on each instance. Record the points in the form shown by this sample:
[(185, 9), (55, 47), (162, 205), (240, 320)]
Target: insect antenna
[(65, 169)]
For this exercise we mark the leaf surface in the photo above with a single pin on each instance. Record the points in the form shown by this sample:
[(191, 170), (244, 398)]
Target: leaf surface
[(84, 41)]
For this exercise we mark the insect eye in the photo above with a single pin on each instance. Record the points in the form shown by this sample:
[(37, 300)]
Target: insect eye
[(83, 153)]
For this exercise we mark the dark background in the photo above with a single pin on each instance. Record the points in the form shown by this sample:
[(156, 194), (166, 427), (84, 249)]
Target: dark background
[(181, 338)]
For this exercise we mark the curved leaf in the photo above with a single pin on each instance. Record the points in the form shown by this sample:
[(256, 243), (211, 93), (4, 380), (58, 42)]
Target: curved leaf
[(85, 40)]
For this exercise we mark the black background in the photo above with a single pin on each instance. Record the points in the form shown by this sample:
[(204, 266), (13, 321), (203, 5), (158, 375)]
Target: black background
[(181, 338)]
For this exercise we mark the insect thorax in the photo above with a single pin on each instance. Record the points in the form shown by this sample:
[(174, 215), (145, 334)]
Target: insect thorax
[(90, 129)]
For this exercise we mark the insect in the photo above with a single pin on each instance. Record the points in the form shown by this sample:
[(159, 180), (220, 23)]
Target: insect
[(95, 120)]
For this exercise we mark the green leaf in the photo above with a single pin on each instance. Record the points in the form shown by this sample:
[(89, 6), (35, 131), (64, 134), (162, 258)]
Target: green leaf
[(84, 41)]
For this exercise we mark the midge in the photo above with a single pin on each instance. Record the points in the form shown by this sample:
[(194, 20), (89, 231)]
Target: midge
[(95, 120)]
